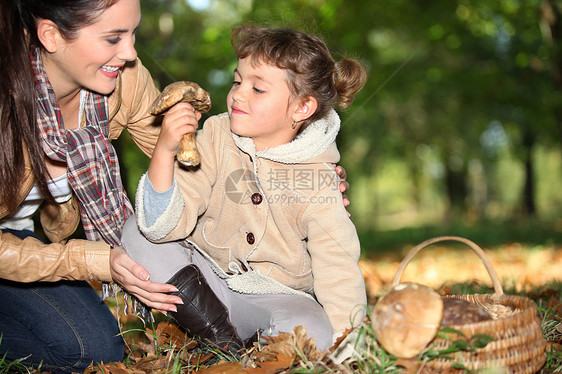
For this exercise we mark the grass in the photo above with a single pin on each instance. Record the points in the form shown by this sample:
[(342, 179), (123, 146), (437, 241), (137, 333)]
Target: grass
[(162, 353), (169, 351), (15, 366), (486, 234), (373, 358)]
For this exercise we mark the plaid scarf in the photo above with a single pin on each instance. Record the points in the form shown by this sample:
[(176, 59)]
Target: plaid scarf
[(92, 164)]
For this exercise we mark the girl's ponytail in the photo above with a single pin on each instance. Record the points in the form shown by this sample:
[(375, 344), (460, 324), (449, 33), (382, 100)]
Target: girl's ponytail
[(351, 76)]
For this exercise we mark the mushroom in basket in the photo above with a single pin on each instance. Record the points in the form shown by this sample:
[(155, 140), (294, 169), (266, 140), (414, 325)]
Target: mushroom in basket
[(407, 318)]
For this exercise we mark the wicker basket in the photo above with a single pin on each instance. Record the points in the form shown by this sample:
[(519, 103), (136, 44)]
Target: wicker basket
[(518, 345)]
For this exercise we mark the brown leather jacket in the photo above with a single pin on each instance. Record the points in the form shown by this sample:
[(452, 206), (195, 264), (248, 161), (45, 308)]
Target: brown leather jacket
[(30, 260)]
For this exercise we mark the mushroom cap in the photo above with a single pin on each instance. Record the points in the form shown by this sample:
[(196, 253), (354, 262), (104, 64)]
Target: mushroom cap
[(407, 318), (180, 91)]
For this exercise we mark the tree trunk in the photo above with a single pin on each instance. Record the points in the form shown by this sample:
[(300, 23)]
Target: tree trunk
[(551, 15), (455, 182), (529, 207)]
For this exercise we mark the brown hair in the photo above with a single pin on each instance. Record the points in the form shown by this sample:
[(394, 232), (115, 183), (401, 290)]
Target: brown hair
[(311, 69), (18, 34)]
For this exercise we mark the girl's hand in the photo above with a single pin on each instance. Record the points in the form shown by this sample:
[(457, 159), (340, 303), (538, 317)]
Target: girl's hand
[(179, 120), (134, 278)]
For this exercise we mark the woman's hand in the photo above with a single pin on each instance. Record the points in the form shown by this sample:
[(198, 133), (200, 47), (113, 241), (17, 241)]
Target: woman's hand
[(135, 279), (344, 185)]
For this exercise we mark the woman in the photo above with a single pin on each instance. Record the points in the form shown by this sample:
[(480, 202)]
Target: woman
[(71, 82), (83, 75)]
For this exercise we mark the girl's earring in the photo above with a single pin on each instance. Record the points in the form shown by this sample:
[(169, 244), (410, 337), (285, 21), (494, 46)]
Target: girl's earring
[(294, 125)]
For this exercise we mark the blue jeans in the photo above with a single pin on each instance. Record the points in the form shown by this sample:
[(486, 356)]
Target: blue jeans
[(64, 326)]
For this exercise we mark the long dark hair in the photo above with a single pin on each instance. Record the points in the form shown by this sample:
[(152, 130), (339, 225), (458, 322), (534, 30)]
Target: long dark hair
[(18, 35)]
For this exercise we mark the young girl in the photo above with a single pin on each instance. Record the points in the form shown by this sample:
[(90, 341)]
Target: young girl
[(257, 238)]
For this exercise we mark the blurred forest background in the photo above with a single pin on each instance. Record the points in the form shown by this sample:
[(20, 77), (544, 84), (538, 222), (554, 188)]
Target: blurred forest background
[(458, 130)]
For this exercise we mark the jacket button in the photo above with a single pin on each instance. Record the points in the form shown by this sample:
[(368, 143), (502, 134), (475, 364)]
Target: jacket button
[(256, 199), (250, 238)]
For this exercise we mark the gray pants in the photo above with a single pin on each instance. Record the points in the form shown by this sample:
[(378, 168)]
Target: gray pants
[(269, 313)]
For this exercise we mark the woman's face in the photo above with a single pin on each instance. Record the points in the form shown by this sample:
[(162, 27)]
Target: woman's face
[(92, 59)]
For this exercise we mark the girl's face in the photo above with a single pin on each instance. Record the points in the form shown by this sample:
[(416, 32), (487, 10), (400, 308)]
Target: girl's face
[(92, 60), (260, 105)]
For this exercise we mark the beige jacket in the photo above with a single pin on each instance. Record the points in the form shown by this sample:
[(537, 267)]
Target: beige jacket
[(30, 260), (277, 211)]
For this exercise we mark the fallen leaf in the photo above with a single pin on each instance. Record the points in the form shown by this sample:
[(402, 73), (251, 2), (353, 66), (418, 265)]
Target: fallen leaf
[(294, 343), (200, 359), (162, 362), (339, 340), (272, 367), (223, 368), (147, 348), (168, 334), (146, 363), (112, 368), (553, 345)]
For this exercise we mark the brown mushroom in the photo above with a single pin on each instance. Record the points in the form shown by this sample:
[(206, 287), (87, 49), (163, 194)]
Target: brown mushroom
[(200, 99), (407, 318), (462, 312)]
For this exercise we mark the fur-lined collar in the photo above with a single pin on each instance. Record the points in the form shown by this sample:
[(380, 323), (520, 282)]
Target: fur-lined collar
[(313, 141)]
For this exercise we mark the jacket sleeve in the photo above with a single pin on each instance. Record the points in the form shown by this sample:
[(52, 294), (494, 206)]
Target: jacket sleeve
[(334, 248), (191, 191), (129, 108), (30, 260)]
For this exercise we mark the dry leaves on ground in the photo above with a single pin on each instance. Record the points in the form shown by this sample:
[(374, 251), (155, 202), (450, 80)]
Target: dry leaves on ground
[(168, 347)]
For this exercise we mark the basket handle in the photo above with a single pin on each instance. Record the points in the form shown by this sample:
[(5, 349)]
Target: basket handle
[(493, 275)]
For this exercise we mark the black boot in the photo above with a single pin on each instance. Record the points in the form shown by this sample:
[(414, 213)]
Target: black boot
[(203, 315)]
